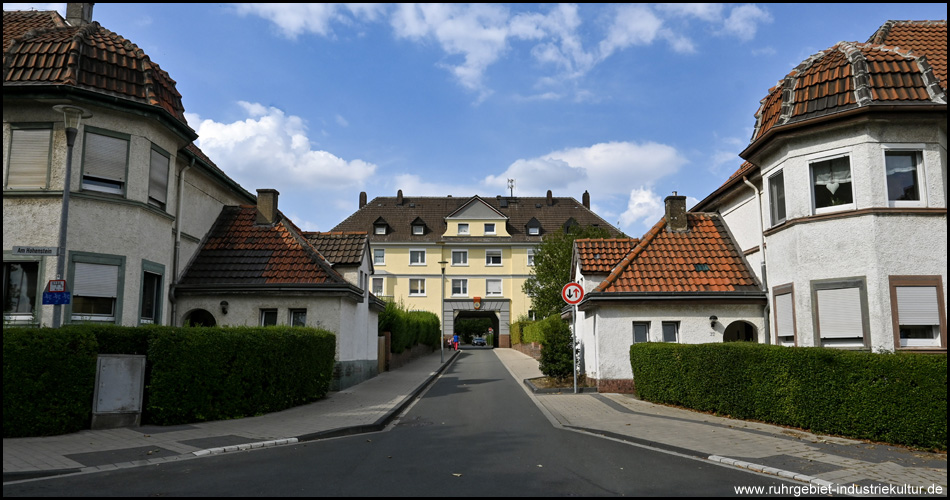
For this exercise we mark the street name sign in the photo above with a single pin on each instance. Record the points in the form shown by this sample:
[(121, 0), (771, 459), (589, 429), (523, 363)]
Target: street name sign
[(41, 251)]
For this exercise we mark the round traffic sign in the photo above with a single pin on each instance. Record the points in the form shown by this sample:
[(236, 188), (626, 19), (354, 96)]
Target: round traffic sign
[(572, 293)]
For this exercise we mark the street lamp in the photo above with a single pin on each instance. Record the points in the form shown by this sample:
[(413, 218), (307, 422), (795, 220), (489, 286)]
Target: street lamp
[(72, 116), (442, 314)]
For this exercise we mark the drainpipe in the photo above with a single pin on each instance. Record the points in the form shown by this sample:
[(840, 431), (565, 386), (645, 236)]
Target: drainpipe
[(177, 257), (765, 288)]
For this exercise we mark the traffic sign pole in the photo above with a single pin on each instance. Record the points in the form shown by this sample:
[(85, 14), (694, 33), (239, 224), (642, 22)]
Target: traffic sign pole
[(573, 293)]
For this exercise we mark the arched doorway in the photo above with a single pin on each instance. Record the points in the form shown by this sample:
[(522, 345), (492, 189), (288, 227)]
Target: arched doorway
[(200, 317), (490, 317), (739, 331)]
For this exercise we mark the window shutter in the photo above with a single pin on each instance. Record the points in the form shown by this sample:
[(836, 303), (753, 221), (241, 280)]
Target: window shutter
[(29, 158), (158, 177), (95, 280), (839, 313), (784, 320), (105, 157), (493, 287), (917, 305)]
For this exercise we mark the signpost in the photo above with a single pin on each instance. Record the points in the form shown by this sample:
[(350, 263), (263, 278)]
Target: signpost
[(56, 293), (573, 293)]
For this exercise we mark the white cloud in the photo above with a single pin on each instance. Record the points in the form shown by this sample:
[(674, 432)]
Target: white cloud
[(709, 12), (633, 25), (743, 21), (643, 206), (295, 19), (270, 149), (341, 121)]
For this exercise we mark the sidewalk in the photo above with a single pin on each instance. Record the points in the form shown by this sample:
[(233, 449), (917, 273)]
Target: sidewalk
[(370, 406)]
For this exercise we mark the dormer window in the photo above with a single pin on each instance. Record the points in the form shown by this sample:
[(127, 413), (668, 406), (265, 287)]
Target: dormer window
[(381, 229), (489, 228), (418, 229), (533, 227), (463, 228), (534, 231)]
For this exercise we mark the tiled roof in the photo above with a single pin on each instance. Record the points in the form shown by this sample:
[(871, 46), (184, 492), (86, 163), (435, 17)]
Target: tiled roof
[(433, 210), (340, 247), (238, 251), (40, 49), (905, 64), (601, 255), (702, 259)]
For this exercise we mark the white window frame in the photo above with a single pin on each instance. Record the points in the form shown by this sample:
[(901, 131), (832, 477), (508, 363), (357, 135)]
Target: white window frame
[(464, 262), (531, 253), (382, 286), (379, 229), (534, 230), (501, 287), (264, 312), (489, 253), (676, 331), (417, 287), (459, 287), (829, 156), (292, 312), (921, 185), (783, 307), (490, 228), (773, 219), (634, 332), (23, 318), (414, 252), (28, 163), (918, 301), (379, 256), (837, 294), (463, 228), (418, 229)]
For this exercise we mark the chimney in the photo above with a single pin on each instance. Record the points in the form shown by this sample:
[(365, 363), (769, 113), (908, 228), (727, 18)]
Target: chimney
[(676, 213), (79, 14), (399, 198), (586, 200), (267, 206), (362, 199), (550, 198)]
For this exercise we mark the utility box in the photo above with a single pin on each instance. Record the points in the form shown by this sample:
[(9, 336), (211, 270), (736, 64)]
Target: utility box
[(120, 386)]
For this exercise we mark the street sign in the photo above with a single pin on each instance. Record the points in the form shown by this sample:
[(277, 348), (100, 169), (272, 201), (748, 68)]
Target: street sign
[(56, 298), (56, 286), (572, 293), (41, 251)]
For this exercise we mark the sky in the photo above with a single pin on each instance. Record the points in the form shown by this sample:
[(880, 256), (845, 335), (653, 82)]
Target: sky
[(629, 102)]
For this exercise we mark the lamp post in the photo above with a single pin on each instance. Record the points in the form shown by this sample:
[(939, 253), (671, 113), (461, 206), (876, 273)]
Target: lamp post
[(72, 116), (442, 314)]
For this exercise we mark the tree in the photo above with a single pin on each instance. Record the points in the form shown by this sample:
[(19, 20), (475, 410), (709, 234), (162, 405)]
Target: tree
[(552, 268), (556, 360)]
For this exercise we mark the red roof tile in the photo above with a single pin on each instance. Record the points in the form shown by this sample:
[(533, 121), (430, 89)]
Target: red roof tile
[(39, 48), (237, 250), (702, 259), (601, 255), (340, 247)]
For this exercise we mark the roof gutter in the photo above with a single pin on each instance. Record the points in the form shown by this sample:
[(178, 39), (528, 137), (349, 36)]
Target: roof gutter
[(242, 289)]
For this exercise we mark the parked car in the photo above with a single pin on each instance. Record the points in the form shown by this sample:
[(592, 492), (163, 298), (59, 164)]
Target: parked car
[(479, 341)]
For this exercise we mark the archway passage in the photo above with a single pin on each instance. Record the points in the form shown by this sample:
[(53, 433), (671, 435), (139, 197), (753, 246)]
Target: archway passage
[(200, 317), (462, 316), (739, 331)]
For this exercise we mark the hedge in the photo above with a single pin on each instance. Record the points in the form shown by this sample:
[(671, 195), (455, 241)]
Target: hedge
[(556, 354), (409, 328), (898, 398)]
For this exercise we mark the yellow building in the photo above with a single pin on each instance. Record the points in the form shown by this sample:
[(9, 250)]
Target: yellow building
[(465, 257)]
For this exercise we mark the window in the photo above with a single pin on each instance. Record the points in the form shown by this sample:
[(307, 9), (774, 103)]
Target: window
[(918, 311), (417, 287), (104, 162), (150, 309), (377, 286), (641, 332), (831, 184), (463, 228), (379, 229), (531, 256), (298, 317), (417, 257), (777, 198), (671, 331), (903, 177), (268, 317), (418, 229), (459, 257), (841, 312), (459, 287), (379, 256), (489, 228), (784, 315), (492, 257), (531, 315), (96, 283), (493, 288), (534, 230), (158, 178), (29, 158), (19, 291)]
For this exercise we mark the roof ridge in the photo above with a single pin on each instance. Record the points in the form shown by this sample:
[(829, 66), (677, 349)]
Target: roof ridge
[(631, 255)]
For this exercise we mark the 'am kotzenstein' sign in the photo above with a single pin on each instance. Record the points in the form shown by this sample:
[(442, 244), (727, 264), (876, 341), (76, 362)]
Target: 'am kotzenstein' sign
[(36, 251)]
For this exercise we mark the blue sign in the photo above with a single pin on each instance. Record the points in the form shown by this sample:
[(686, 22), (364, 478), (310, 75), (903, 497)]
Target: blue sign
[(56, 298)]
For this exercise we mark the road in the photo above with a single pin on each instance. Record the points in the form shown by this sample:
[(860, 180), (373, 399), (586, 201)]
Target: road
[(474, 432)]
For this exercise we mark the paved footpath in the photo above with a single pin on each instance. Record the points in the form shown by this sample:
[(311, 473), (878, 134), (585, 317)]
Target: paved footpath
[(815, 461)]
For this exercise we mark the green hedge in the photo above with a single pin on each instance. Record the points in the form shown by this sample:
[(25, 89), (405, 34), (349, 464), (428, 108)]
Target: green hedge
[(409, 328), (533, 332), (894, 398), (556, 359), (49, 377)]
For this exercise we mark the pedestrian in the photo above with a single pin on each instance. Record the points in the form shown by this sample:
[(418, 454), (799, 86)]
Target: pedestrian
[(455, 341)]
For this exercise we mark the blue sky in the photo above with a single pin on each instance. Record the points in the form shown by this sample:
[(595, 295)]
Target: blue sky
[(627, 101)]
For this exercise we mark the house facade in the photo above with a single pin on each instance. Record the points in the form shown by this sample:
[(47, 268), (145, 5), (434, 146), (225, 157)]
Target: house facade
[(463, 257), (841, 205), (135, 175), (685, 281)]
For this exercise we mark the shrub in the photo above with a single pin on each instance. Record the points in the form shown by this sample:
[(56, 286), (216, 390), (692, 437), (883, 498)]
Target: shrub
[(557, 360)]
